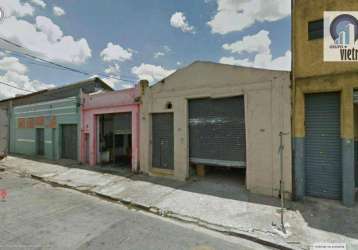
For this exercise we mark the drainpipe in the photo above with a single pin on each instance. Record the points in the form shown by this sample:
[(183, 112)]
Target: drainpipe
[(293, 92), (9, 121), (81, 139)]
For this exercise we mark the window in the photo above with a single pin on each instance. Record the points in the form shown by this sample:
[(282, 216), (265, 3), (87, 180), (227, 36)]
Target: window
[(315, 29)]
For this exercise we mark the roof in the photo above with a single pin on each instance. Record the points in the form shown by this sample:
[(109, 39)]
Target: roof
[(219, 65), (77, 85)]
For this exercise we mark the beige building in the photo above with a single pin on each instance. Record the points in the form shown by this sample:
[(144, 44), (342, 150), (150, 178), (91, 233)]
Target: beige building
[(218, 116)]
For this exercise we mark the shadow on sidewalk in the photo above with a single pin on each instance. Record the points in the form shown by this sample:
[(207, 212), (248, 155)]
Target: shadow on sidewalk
[(325, 215)]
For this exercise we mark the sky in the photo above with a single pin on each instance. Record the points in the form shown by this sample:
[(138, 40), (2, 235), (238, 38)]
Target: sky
[(123, 41)]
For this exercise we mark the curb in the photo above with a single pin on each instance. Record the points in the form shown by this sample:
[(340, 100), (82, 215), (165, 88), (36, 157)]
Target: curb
[(182, 218)]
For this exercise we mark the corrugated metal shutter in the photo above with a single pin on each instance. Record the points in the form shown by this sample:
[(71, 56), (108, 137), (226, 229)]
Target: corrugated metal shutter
[(323, 166), (163, 141), (40, 141), (217, 131), (69, 141), (355, 96), (122, 123)]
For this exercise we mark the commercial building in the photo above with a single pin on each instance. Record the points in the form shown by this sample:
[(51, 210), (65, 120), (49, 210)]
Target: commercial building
[(110, 128), (210, 115), (325, 117), (47, 123)]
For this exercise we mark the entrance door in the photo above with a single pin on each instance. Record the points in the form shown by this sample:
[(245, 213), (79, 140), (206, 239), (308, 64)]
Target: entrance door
[(163, 142), (217, 131), (40, 141), (323, 169), (87, 148), (69, 141)]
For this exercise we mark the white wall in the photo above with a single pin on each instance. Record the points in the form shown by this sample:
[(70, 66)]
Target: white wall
[(267, 112)]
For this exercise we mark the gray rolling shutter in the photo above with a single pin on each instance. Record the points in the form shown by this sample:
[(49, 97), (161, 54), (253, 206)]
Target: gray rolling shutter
[(122, 123), (69, 141), (163, 140), (323, 169), (217, 131)]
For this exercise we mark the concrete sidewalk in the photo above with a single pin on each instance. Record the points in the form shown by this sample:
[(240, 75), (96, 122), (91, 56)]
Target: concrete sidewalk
[(245, 215)]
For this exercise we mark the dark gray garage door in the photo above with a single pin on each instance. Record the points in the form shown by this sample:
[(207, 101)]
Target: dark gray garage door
[(162, 142), (323, 169), (217, 131), (69, 141), (122, 123)]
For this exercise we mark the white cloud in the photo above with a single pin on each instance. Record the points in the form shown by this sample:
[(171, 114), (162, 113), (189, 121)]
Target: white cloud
[(53, 32), (16, 8), (112, 69), (259, 44), (158, 54), (167, 49), (39, 3), (58, 11), (233, 61), (115, 52), (236, 15), (12, 64), (151, 72), (178, 20), (46, 39), (262, 61), (14, 73)]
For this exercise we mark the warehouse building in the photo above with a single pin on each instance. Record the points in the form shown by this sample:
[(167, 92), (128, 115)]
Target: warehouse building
[(325, 118), (212, 117), (110, 133), (47, 123)]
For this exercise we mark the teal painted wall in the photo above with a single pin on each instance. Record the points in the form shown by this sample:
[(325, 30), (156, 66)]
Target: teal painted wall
[(23, 140)]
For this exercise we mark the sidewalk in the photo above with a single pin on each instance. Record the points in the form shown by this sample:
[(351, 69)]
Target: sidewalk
[(242, 214)]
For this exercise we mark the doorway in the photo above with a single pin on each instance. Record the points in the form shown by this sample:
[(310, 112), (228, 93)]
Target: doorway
[(217, 138), (40, 141), (323, 157), (163, 141), (115, 139), (69, 141)]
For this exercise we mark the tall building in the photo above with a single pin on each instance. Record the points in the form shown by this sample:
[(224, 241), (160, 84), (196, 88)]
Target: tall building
[(325, 112)]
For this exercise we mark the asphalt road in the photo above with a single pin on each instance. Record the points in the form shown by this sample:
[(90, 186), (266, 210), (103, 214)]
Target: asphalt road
[(36, 215)]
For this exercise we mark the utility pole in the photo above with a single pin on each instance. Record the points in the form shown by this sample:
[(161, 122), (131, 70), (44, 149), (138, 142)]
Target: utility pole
[(282, 186)]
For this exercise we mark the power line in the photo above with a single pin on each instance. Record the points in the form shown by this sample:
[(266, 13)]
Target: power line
[(12, 86), (57, 64)]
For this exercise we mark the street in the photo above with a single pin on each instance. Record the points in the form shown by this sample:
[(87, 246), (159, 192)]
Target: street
[(35, 215)]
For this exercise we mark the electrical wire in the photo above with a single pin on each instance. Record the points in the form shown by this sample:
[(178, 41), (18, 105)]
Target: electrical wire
[(58, 66), (12, 86)]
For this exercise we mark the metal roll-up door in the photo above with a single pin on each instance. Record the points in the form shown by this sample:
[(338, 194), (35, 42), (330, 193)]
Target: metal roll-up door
[(163, 141), (323, 165), (40, 141), (122, 123), (69, 141), (217, 131)]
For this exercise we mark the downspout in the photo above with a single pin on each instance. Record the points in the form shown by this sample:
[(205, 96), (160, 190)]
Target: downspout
[(293, 97), (81, 139), (9, 124)]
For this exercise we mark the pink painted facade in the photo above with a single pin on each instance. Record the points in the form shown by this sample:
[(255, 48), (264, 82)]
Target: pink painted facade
[(108, 103)]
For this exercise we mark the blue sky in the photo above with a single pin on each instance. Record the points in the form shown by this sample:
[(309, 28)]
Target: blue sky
[(211, 30)]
